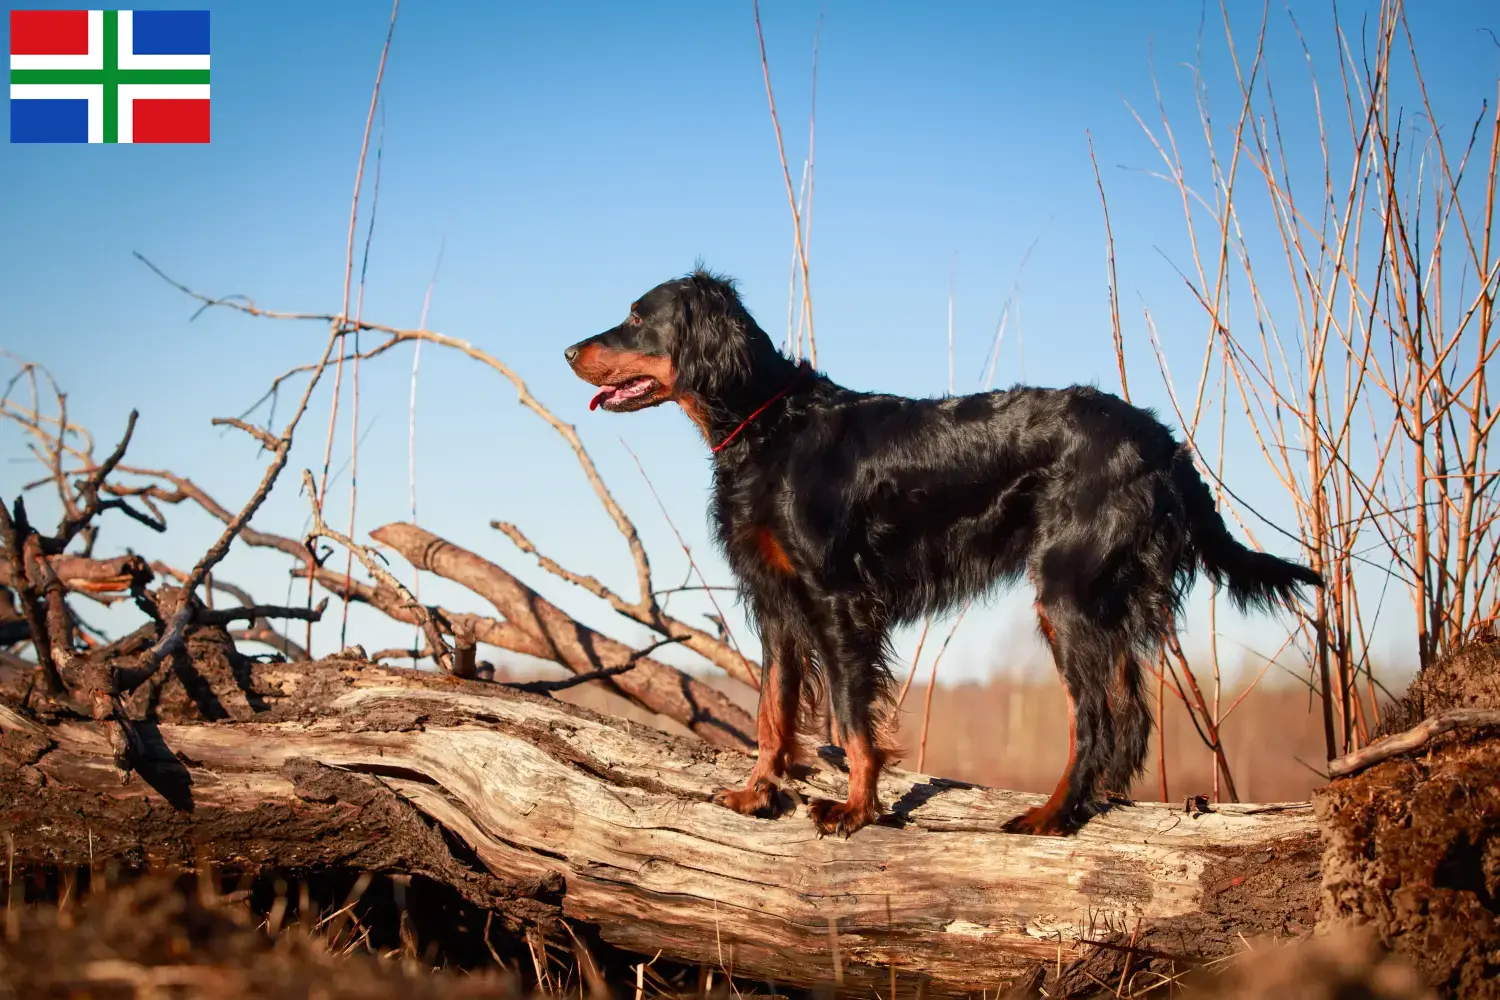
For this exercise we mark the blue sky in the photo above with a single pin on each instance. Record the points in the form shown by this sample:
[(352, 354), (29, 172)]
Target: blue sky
[(569, 156)]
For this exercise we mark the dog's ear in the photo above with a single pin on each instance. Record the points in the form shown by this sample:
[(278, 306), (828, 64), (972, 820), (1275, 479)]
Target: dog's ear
[(715, 347)]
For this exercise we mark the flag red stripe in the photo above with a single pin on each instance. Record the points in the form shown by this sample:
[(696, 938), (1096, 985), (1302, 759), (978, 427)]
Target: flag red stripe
[(49, 32), (170, 120)]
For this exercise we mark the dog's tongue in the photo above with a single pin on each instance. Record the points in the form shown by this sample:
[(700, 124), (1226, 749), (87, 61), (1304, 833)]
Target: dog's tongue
[(604, 394)]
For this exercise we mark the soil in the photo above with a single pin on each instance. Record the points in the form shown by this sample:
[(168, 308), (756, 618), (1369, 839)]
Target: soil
[(1413, 844), (1467, 678)]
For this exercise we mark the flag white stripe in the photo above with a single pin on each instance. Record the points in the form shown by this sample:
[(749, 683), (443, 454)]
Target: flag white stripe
[(94, 60), (131, 92), (91, 92), (129, 60)]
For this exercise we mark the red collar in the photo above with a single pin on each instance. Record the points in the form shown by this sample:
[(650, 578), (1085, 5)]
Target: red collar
[(746, 422)]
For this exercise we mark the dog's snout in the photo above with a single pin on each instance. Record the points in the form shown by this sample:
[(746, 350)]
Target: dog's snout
[(571, 353)]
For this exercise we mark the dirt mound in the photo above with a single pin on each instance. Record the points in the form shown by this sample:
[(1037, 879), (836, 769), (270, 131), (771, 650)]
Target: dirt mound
[(152, 939), (1413, 844), (1469, 677)]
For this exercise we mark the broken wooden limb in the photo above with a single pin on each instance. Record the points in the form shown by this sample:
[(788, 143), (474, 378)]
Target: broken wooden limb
[(92, 576), (654, 685), (1413, 739), (610, 825)]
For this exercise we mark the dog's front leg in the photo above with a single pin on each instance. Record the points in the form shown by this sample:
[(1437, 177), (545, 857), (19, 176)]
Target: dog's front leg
[(776, 735)]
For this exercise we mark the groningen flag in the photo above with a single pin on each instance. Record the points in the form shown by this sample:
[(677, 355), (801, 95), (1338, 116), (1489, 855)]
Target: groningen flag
[(109, 76)]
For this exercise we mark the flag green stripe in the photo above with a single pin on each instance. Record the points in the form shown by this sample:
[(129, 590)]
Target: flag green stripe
[(116, 77), (111, 81)]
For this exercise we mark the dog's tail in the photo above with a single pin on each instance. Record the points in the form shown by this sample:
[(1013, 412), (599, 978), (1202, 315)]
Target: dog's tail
[(1253, 579)]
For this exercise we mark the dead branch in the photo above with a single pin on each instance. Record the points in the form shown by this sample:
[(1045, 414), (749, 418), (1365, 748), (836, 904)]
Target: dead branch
[(92, 576), (223, 616), (646, 612), (109, 686), (1413, 739), (185, 489), (266, 438), (268, 636), (490, 631), (550, 687), (89, 494), (17, 536), (443, 655), (656, 686)]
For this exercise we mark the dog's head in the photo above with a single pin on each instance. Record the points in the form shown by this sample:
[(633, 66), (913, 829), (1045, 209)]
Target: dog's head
[(688, 340)]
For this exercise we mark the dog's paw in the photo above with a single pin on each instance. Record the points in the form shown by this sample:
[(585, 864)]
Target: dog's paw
[(759, 799), (840, 818), (1041, 822)]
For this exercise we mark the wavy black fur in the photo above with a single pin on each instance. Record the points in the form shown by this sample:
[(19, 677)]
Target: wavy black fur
[(889, 508)]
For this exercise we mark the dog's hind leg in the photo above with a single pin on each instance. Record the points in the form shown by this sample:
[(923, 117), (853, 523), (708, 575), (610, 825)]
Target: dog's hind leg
[(852, 655), (1084, 654), (776, 730)]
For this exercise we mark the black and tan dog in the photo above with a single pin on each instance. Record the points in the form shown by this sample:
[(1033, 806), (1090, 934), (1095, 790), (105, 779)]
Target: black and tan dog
[(846, 513)]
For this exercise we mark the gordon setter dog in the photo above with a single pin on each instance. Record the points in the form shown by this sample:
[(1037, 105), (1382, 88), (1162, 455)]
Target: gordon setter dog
[(844, 514)]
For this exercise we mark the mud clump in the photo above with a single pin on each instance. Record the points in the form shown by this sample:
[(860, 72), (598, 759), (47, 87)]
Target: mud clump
[(1413, 844)]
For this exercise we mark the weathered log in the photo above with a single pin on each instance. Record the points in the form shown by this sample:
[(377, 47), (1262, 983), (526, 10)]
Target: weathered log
[(607, 823)]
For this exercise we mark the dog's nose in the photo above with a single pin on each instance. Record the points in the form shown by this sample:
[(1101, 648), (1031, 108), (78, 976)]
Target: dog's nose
[(571, 353)]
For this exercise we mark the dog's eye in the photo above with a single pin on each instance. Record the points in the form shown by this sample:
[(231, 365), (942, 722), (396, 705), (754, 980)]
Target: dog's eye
[(633, 320)]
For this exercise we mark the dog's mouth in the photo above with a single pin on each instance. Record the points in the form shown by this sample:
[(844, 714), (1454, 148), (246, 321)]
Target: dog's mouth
[(632, 394)]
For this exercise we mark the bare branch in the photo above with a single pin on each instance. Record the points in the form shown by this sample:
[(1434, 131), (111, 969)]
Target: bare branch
[(224, 616), (442, 653), (1413, 739), (265, 437), (656, 686)]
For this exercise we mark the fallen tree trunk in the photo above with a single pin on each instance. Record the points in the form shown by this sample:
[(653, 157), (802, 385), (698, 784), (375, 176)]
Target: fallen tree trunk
[(537, 810)]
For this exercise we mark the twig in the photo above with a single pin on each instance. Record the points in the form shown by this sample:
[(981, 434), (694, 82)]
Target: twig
[(1113, 286), (265, 437), (341, 323), (411, 424), (932, 684), (548, 687), (647, 613), (1131, 949), (915, 659), (224, 616), (1418, 736), (791, 194), (398, 653), (268, 636), (441, 653), (72, 525)]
